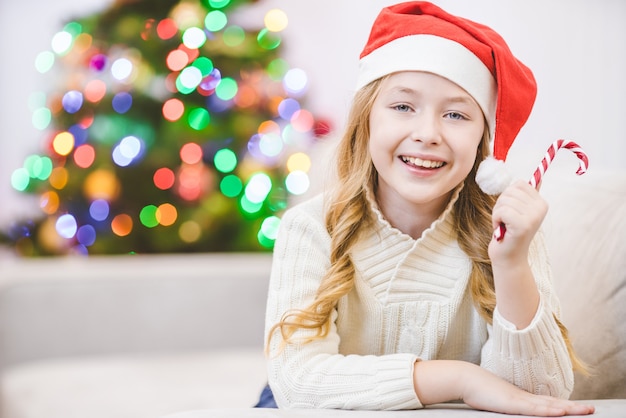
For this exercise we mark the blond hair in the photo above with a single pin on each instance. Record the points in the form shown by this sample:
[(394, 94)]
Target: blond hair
[(349, 214)]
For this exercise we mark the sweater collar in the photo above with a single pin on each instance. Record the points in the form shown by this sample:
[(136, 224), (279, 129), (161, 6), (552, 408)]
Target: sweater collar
[(446, 217)]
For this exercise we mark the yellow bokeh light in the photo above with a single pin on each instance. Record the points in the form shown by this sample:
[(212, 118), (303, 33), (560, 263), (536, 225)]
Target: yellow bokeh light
[(166, 214), (63, 143), (190, 231), (299, 162), (101, 184), (58, 178), (275, 20)]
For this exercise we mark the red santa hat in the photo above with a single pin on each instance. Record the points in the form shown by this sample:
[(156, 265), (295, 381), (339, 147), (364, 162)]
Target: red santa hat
[(419, 36)]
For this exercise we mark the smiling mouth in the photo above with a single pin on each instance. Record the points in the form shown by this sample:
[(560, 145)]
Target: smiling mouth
[(418, 162)]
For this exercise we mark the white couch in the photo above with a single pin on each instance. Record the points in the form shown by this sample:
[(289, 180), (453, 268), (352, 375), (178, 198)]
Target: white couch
[(146, 336)]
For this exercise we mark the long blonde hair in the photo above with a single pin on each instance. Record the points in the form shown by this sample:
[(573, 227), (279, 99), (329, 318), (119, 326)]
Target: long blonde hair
[(349, 214)]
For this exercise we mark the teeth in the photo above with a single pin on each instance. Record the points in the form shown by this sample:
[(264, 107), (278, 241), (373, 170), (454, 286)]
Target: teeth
[(422, 163)]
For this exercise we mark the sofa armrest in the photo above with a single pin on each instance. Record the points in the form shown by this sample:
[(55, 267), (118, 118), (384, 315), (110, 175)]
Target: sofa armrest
[(67, 307)]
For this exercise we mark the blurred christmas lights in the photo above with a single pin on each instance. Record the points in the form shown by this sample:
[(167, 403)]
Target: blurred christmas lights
[(189, 123)]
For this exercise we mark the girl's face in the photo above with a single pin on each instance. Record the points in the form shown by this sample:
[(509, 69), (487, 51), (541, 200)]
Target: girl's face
[(424, 136)]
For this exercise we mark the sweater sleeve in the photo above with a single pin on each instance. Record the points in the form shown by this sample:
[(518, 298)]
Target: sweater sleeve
[(535, 358), (316, 374)]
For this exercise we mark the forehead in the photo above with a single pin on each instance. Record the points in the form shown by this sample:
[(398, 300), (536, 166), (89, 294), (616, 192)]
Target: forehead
[(419, 83)]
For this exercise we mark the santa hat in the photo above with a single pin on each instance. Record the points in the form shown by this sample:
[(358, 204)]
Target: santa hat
[(419, 36)]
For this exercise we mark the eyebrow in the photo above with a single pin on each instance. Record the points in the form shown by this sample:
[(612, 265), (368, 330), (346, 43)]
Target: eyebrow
[(465, 99)]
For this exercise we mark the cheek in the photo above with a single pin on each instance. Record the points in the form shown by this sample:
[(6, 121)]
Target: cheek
[(469, 153)]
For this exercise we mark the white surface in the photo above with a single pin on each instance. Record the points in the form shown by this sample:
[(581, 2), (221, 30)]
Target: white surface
[(134, 386), (604, 409)]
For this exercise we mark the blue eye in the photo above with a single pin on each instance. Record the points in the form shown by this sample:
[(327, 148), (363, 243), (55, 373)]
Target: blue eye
[(456, 116), (402, 108)]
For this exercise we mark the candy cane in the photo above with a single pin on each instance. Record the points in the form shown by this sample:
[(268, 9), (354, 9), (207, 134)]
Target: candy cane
[(535, 180)]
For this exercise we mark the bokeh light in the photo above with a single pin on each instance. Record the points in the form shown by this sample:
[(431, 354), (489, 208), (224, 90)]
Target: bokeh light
[(84, 156), (295, 81), (41, 118), (219, 4), (58, 177), (190, 231), (99, 210), (122, 102), (101, 184), (216, 94), (275, 20), (299, 161), (199, 118), (49, 202), (271, 145), (297, 182), (95, 90), (20, 179), (215, 20), (122, 225), (167, 29), (287, 108), (188, 80), (166, 214), (302, 120), (127, 151), (66, 226), (147, 216), (72, 101), (231, 186), (61, 42), (44, 62), (226, 89), (191, 153), (177, 60), (164, 178), (268, 40), (86, 235), (258, 187), (234, 36), (173, 109), (121, 69), (63, 143), (225, 160), (194, 38)]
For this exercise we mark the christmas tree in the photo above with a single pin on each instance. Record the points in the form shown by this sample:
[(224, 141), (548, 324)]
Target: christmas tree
[(171, 128)]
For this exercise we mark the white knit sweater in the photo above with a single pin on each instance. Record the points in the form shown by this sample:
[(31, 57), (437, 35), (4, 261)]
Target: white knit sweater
[(410, 301)]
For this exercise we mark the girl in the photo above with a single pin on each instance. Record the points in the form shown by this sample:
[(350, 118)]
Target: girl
[(389, 292)]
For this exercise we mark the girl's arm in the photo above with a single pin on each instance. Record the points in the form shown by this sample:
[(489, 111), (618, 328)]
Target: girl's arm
[(525, 345), (438, 381), (522, 210)]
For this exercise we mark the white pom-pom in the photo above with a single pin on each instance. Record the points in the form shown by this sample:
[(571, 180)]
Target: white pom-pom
[(492, 176)]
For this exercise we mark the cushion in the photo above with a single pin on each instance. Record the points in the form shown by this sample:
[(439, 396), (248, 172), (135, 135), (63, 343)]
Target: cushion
[(586, 236)]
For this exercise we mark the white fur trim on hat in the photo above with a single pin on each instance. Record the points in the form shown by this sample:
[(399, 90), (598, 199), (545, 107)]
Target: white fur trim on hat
[(436, 55)]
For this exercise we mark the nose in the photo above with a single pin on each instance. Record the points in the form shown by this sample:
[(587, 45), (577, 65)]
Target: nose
[(426, 128)]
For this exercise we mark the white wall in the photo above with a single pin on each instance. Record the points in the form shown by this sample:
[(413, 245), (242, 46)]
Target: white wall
[(576, 48)]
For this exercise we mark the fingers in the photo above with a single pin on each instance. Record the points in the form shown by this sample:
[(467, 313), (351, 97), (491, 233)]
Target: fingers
[(519, 207), (554, 407)]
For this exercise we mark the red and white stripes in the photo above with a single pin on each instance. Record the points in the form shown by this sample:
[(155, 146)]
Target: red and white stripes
[(535, 180)]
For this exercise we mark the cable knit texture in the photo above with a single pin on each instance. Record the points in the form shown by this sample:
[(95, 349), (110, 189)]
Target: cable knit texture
[(410, 301)]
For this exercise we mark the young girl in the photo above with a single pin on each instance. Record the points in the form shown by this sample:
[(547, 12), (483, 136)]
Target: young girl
[(389, 292)]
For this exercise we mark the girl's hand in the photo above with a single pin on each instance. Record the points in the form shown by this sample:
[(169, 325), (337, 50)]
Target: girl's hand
[(484, 390), (521, 209), (438, 381)]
